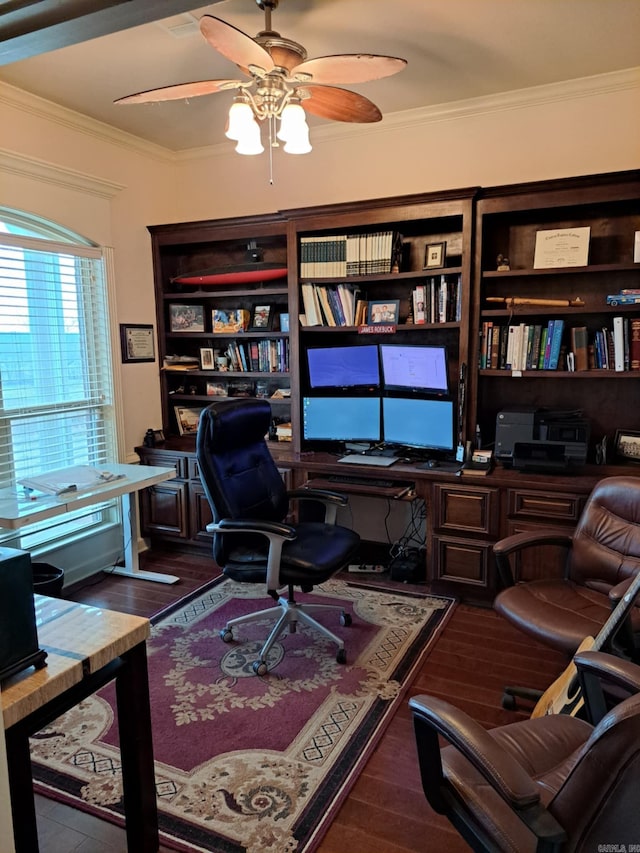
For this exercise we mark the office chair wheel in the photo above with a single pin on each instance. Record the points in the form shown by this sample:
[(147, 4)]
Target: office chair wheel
[(345, 620), (341, 657), (260, 667), (226, 635), (509, 702)]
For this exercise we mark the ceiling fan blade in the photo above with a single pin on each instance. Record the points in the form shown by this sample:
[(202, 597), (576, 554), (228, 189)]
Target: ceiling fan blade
[(339, 105), (234, 44), (349, 68), (180, 90)]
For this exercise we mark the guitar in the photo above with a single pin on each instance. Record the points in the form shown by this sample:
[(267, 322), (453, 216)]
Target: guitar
[(564, 696)]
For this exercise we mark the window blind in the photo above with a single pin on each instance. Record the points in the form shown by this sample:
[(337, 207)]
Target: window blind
[(56, 385)]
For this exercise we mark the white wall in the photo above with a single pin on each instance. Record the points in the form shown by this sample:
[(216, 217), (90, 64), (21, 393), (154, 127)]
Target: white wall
[(111, 186)]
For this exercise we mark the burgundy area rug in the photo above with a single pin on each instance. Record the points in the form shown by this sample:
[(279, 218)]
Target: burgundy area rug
[(245, 763)]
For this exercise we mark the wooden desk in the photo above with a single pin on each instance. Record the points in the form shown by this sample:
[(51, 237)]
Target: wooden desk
[(87, 648), (16, 510)]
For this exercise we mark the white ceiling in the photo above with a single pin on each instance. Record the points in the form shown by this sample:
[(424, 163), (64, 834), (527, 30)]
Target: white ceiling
[(456, 49)]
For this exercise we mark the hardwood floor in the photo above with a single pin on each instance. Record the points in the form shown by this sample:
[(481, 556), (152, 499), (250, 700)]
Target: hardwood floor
[(386, 812)]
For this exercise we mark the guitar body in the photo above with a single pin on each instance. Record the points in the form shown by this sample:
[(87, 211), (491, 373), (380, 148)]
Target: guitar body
[(564, 695)]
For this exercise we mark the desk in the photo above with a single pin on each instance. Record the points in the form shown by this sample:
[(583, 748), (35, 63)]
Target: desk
[(17, 511), (87, 647)]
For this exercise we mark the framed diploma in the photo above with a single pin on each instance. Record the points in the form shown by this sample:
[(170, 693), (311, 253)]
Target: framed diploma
[(137, 342), (562, 247)]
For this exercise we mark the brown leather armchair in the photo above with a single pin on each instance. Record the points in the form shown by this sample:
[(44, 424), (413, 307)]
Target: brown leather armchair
[(602, 558), (554, 783)]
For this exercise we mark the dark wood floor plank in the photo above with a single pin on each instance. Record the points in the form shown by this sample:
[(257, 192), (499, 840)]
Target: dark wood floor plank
[(477, 653)]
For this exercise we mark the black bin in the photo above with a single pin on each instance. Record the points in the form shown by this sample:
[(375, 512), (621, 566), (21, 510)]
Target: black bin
[(47, 579)]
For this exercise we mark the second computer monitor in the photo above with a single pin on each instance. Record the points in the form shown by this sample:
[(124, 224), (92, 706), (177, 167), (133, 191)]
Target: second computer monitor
[(419, 423), (341, 418), (417, 369)]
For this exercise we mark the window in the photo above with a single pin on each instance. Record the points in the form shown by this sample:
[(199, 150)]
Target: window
[(56, 381)]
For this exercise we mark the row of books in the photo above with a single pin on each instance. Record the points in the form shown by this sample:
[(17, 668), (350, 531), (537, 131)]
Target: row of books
[(438, 300), (264, 356), (340, 255), (554, 346), (329, 305)]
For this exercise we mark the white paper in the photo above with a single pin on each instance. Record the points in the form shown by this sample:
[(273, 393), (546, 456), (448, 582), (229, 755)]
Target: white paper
[(72, 479)]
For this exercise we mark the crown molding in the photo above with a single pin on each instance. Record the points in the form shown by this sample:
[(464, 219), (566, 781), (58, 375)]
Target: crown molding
[(12, 162), (34, 105), (517, 99)]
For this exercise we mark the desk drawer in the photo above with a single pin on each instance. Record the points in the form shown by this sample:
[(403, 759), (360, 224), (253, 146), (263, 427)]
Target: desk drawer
[(560, 506), (468, 509)]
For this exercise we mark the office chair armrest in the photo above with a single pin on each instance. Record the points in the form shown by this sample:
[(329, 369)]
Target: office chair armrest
[(277, 534), (330, 500), (610, 668), (518, 542), (433, 717), (617, 592)]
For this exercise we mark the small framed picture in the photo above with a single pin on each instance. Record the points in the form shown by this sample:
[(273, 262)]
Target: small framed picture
[(206, 359), (434, 255), (284, 322), (217, 389), (158, 436), (186, 318), (385, 311), (627, 444), (187, 419), (136, 340), (261, 318)]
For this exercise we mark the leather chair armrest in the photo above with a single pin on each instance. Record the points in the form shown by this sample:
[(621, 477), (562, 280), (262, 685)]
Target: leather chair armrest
[(330, 500), (614, 670), (502, 771), (433, 718), (518, 542), (617, 592), (277, 534)]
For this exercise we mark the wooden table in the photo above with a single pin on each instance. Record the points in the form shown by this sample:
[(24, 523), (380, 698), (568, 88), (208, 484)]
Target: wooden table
[(87, 647)]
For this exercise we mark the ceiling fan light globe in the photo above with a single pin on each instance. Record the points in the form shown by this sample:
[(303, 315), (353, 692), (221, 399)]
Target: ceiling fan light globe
[(250, 142), (293, 122), (299, 144), (240, 118)]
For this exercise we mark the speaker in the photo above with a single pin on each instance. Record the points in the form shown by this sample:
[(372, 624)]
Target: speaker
[(18, 633)]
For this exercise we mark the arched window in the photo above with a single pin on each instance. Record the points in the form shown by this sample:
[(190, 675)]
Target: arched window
[(56, 379)]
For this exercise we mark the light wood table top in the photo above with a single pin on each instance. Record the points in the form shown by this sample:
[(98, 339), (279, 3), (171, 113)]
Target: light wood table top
[(79, 640)]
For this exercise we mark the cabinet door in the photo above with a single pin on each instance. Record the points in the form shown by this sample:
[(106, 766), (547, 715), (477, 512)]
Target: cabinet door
[(466, 564), (199, 513), (164, 510), (466, 509)]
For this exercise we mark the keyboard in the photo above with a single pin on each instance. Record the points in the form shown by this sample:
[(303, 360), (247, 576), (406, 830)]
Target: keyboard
[(363, 481)]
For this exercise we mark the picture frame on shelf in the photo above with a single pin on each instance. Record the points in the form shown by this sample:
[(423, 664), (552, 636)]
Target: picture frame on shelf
[(187, 419), (186, 318), (207, 361), (383, 312), (217, 389), (627, 444), (137, 343), (158, 436), (261, 318), (434, 255), (229, 322)]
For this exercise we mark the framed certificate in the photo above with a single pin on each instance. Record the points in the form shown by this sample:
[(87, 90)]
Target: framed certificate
[(562, 247), (137, 342)]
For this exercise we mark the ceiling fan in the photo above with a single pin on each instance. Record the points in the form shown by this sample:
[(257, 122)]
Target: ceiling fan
[(281, 77)]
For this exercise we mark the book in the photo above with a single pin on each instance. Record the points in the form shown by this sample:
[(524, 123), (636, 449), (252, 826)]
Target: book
[(618, 344), (556, 343), (418, 305), (579, 347), (634, 344)]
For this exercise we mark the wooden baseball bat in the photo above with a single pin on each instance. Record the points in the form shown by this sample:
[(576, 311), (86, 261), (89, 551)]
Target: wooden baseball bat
[(512, 301)]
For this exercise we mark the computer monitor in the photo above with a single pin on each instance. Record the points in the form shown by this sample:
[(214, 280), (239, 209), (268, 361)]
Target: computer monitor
[(417, 422), (344, 367), (419, 369), (341, 418)]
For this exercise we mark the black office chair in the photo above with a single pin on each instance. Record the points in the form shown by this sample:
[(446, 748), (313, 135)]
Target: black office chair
[(252, 542)]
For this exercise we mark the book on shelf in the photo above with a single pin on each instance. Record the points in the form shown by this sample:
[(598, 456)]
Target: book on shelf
[(580, 347), (180, 362), (339, 255), (634, 344), (556, 343), (418, 305), (618, 344)]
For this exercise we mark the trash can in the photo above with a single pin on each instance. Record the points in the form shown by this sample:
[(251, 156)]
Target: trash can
[(47, 579)]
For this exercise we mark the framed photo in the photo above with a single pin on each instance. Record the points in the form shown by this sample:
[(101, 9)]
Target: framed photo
[(261, 318), (186, 318), (206, 359), (217, 389), (384, 311), (434, 255), (158, 436), (136, 340), (187, 419), (228, 322), (627, 444)]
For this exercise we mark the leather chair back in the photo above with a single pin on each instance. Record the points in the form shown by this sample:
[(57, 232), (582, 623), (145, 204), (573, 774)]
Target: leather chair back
[(238, 474), (606, 542)]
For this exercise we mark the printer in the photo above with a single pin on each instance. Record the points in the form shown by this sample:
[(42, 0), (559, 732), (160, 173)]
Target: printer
[(535, 439)]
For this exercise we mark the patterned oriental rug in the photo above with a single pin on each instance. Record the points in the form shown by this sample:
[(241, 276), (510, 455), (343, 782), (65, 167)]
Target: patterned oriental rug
[(246, 763)]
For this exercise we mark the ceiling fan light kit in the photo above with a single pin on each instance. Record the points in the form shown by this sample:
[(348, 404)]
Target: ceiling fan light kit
[(284, 85)]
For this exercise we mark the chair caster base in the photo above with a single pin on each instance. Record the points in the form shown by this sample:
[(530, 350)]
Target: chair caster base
[(345, 620), (260, 668), (226, 635), (509, 702), (341, 656)]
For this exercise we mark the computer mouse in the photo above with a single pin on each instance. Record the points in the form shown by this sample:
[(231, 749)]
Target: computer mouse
[(433, 463)]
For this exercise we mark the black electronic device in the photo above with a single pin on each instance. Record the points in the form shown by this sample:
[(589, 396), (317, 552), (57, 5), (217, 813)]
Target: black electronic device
[(417, 369), (347, 418), (18, 632), (542, 456), (530, 426)]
